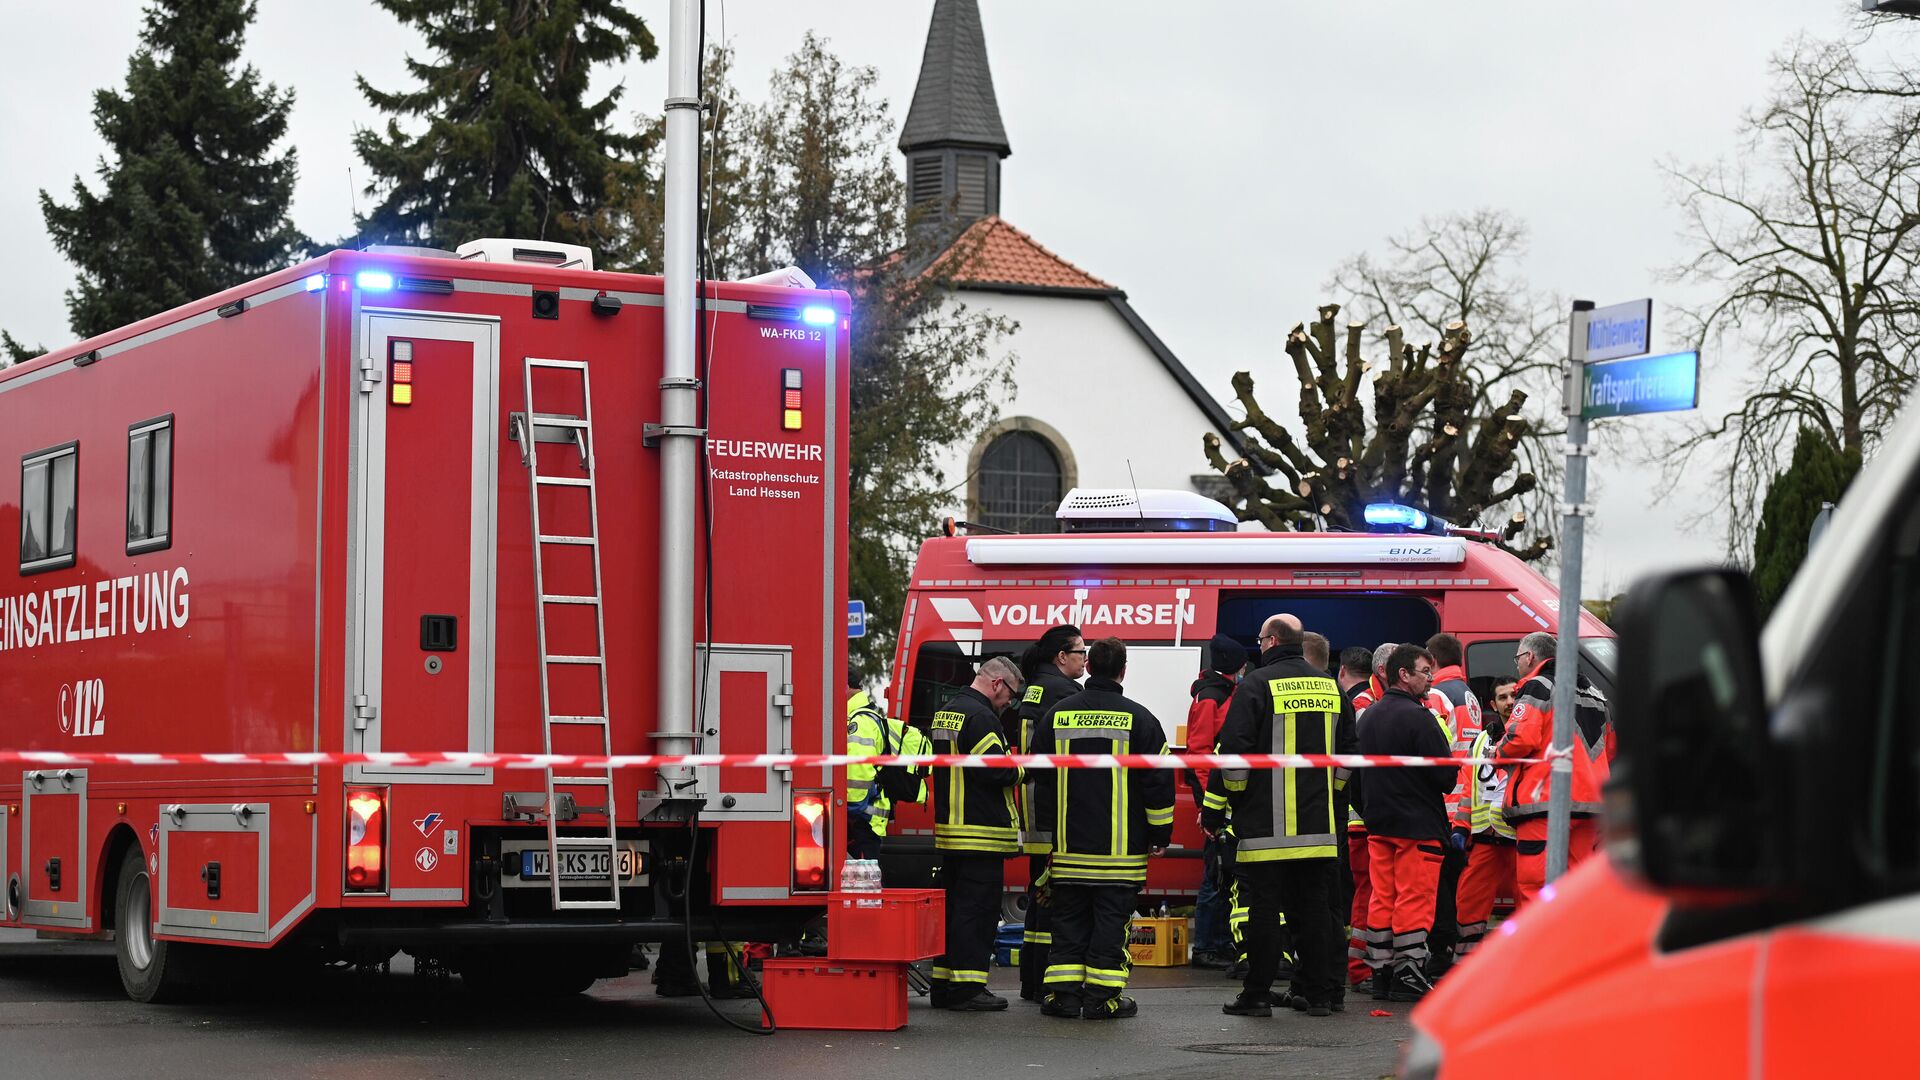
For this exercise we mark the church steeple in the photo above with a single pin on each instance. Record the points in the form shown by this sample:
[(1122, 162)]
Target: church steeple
[(953, 138)]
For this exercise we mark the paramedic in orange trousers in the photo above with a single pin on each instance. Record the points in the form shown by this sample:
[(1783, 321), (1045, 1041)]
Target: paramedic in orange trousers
[(1356, 668), (1371, 685), (1450, 682), (1407, 825), (1530, 735)]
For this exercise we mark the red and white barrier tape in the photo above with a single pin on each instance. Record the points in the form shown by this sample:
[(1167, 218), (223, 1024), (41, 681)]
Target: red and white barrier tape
[(60, 758)]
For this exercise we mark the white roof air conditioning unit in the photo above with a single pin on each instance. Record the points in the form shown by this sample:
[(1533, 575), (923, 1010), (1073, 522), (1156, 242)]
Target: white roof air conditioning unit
[(787, 277), (537, 252), (1151, 510)]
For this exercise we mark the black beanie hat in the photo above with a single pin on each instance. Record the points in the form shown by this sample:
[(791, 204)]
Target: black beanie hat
[(1228, 655)]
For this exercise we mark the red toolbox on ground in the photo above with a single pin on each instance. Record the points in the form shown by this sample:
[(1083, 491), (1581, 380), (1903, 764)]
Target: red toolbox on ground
[(807, 993), (890, 925)]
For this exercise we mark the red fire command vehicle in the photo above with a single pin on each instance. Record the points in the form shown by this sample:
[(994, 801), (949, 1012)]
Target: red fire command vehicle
[(1758, 911), (1165, 571), (392, 501)]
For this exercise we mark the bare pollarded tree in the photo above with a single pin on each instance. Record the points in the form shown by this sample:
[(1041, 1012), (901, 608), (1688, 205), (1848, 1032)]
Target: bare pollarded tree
[(1430, 442), (1807, 246), (1465, 267)]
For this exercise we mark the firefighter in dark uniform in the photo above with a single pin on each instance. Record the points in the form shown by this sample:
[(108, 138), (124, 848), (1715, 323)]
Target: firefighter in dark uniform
[(1285, 820), (975, 829), (1051, 668), (1106, 823)]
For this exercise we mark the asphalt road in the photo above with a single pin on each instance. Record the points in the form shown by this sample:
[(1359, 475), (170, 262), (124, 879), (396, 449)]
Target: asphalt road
[(63, 1014)]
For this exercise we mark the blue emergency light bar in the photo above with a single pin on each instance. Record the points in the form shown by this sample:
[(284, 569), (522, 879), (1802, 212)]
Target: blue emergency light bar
[(373, 279), (815, 315), (316, 282), (1394, 515)]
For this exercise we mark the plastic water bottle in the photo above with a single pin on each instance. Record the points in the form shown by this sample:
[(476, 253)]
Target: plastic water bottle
[(860, 875), (1163, 909)]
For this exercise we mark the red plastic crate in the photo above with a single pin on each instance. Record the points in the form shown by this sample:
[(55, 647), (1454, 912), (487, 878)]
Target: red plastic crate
[(830, 995), (893, 924)]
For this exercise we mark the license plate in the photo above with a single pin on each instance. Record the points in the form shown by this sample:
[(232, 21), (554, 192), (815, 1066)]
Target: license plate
[(576, 865)]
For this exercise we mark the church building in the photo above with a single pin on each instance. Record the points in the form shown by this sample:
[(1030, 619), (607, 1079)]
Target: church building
[(1096, 390)]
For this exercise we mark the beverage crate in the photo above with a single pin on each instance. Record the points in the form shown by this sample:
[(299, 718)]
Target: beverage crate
[(1154, 942), (1007, 944), (892, 924), (811, 994)]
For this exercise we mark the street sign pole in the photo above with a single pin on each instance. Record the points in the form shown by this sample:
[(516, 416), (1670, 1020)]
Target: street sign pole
[(1573, 530)]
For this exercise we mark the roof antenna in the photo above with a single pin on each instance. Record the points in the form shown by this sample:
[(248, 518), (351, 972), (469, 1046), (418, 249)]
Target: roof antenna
[(1137, 508), (353, 202)]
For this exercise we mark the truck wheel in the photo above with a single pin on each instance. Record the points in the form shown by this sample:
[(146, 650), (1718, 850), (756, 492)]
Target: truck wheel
[(150, 969)]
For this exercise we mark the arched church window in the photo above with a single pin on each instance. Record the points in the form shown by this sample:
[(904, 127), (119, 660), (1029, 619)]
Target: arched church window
[(1020, 483)]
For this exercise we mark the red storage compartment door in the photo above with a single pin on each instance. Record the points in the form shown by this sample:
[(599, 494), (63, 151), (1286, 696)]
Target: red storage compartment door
[(748, 694), (212, 870), (53, 867)]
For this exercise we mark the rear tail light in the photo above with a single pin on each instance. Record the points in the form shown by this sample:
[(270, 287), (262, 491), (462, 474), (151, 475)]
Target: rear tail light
[(810, 833), (366, 840)]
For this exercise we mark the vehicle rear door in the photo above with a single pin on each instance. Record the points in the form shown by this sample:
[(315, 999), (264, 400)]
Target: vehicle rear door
[(424, 526)]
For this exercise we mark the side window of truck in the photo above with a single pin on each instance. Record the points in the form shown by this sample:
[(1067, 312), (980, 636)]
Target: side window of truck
[(150, 485), (941, 670), (1491, 659), (49, 483)]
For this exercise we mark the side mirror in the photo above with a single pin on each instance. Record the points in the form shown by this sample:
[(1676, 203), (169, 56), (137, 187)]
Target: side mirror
[(1693, 798)]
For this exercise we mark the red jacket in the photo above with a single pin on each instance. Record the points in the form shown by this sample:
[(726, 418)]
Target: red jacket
[(1211, 692), (1530, 734)]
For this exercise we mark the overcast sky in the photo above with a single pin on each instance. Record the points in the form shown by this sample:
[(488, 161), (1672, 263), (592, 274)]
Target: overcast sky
[(1214, 160)]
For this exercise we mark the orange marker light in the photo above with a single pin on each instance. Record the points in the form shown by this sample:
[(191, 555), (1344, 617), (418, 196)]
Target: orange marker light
[(402, 394)]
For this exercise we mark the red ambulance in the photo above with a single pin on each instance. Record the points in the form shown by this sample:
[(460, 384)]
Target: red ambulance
[(1167, 570), (313, 513), (1758, 914)]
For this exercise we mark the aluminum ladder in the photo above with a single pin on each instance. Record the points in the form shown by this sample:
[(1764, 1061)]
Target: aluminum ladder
[(580, 430)]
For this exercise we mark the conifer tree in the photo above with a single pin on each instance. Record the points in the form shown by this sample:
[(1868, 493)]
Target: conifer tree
[(194, 200), (12, 351), (1818, 474), (511, 145)]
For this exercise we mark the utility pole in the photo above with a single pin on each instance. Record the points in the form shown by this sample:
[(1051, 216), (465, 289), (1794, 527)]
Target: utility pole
[(679, 439), (1573, 531)]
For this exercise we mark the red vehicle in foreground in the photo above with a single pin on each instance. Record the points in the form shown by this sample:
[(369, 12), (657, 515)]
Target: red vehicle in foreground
[(1167, 570), (387, 501), (1758, 912)]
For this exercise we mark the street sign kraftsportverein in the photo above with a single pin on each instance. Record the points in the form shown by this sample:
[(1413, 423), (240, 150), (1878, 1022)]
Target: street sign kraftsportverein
[(1644, 384)]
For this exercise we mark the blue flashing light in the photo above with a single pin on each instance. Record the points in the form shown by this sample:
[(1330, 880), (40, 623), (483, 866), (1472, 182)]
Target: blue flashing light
[(316, 282), (373, 279), (1396, 515), (814, 315)]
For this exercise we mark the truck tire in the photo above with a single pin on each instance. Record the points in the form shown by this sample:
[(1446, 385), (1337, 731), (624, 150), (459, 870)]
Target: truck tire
[(150, 969)]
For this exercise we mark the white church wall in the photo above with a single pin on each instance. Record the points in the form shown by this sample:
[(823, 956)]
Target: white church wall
[(1084, 373)]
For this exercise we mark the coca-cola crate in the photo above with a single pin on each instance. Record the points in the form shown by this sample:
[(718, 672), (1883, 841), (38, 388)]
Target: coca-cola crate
[(893, 924), (831, 995)]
